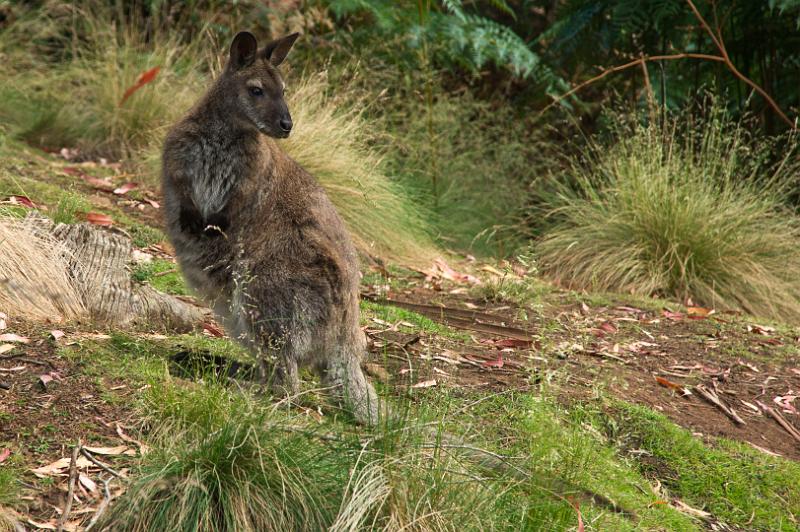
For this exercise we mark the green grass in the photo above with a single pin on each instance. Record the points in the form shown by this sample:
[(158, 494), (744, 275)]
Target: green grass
[(393, 315), (680, 215), (122, 357), (566, 455), (222, 460), (9, 486), (69, 208), (524, 291), (162, 275), (735, 482)]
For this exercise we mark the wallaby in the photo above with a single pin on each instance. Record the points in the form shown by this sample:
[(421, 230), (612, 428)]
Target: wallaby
[(256, 236)]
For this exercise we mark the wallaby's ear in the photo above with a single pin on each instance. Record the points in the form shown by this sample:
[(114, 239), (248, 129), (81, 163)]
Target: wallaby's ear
[(243, 49), (277, 50)]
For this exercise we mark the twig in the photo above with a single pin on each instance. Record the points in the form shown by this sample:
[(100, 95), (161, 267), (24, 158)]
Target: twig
[(22, 358), (651, 100), (73, 476), (720, 44), (98, 463), (793, 432), (618, 68), (712, 398), (103, 505)]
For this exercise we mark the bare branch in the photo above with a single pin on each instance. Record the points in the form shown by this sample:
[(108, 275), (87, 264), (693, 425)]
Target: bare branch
[(641, 61), (720, 44)]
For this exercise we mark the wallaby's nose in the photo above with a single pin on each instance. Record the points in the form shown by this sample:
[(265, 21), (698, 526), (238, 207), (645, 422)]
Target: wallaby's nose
[(286, 124)]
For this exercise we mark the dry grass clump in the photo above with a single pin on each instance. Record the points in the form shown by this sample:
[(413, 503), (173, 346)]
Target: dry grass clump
[(331, 141), (682, 215), (34, 278)]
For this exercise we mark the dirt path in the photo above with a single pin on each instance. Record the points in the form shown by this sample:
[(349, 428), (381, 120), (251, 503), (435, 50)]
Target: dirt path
[(650, 357)]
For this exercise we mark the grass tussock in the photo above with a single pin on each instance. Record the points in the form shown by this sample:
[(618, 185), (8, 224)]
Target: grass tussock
[(332, 141), (34, 282), (222, 461), (679, 215)]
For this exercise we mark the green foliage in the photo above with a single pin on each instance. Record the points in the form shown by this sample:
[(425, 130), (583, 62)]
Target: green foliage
[(696, 214), (468, 163), (761, 39), (454, 35), (219, 464)]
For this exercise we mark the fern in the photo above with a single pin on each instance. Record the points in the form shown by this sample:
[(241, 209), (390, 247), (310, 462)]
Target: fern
[(458, 37)]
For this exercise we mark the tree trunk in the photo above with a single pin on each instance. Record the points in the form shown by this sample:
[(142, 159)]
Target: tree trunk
[(99, 262)]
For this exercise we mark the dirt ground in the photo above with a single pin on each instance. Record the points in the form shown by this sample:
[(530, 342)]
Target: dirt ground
[(654, 358)]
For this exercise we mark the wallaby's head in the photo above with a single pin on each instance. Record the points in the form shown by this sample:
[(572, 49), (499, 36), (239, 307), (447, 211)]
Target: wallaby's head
[(252, 76)]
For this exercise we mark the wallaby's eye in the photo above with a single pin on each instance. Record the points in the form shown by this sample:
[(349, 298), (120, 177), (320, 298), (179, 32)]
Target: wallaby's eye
[(256, 91)]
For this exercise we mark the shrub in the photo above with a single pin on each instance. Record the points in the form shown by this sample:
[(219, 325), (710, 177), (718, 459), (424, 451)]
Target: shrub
[(697, 215)]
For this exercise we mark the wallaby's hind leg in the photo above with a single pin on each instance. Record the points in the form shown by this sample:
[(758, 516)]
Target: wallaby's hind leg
[(343, 374), (282, 376)]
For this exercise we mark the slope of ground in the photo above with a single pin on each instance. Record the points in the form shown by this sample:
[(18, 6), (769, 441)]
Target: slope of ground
[(685, 417)]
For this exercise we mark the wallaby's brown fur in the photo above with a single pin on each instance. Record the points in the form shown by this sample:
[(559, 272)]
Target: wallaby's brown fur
[(257, 237)]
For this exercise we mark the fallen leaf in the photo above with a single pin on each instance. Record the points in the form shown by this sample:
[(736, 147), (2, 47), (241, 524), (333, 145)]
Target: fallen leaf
[(785, 402), (5, 453), (608, 327), (100, 219), (496, 363), (110, 451), (125, 188), (60, 466), (685, 508), (146, 77), (425, 384), (154, 204), (699, 312), (760, 329), (508, 342), (675, 316), (440, 268), (212, 330), (56, 334), (88, 483), (45, 379), (10, 337), (5, 348), (492, 270), (748, 365), (3, 318), (22, 200), (668, 384)]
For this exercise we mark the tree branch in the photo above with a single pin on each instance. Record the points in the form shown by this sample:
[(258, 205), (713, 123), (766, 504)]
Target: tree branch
[(720, 44), (641, 61)]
